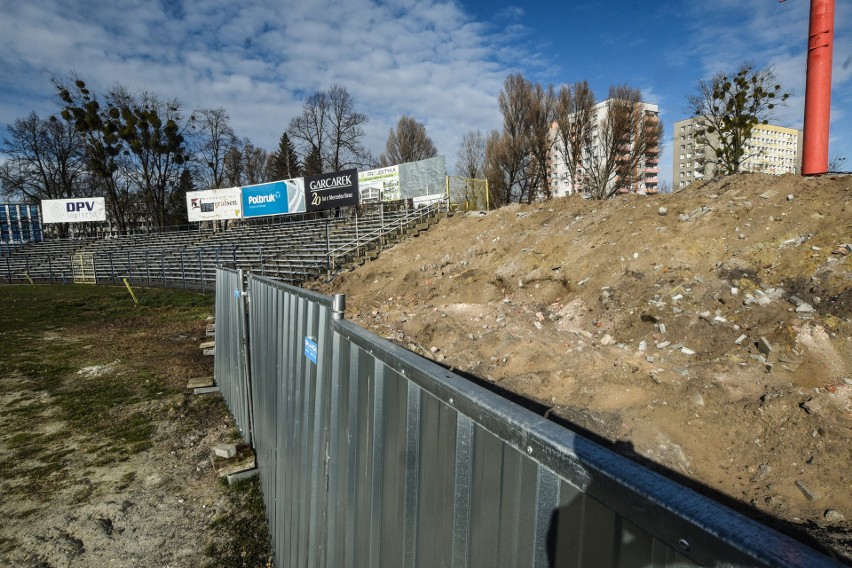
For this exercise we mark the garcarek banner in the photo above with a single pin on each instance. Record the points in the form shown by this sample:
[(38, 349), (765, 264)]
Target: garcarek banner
[(336, 189), (75, 210), (379, 185), (274, 198), (214, 204)]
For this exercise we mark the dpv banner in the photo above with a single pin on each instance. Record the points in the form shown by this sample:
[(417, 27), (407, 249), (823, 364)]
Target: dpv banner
[(75, 210), (328, 191), (274, 198)]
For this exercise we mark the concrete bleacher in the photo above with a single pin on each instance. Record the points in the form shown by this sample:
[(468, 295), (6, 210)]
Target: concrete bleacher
[(292, 250)]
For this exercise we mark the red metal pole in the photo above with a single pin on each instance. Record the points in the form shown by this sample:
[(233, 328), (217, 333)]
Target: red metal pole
[(818, 88)]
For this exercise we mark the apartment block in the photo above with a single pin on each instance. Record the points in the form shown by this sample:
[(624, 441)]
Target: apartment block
[(647, 176), (771, 149)]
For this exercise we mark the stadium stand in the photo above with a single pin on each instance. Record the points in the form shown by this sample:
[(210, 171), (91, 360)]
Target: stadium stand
[(290, 249)]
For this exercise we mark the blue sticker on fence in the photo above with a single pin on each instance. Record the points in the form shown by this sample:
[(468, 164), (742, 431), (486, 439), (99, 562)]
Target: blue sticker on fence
[(311, 349), (236, 293)]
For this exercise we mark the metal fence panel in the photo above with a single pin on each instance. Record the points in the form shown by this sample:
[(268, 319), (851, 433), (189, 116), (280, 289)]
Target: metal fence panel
[(374, 456), (230, 370)]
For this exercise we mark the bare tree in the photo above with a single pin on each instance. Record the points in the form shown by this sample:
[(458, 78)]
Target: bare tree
[(541, 112), (836, 162), (233, 166), (408, 142), (730, 106), (330, 123), (471, 156), (309, 128), (255, 161), (346, 132), (470, 165), (626, 136), (495, 167), (215, 138), (575, 124), (511, 157), (45, 159), (519, 159)]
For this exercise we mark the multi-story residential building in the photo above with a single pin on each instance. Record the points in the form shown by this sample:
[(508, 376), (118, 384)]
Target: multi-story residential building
[(646, 178), (771, 149)]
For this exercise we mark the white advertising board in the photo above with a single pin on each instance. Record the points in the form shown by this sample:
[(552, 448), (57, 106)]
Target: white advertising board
[(75, 210), (425, 200), (381, 184), (214, 204)]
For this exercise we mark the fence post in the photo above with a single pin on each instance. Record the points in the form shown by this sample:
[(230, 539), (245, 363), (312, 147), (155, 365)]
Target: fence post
[(163, 267), (262, 264), (328, 243), (234, 255), (200, 271), (244, 314), (147, 270), (50, 267), (130, 268), (338, 307), (112, 268), (182, 270)]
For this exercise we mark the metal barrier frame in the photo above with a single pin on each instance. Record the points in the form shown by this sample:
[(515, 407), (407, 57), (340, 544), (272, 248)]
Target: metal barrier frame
[(374, 456)]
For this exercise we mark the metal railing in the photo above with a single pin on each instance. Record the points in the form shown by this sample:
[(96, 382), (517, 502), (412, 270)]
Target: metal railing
[(192, 265), (370, 455), (367, 239)]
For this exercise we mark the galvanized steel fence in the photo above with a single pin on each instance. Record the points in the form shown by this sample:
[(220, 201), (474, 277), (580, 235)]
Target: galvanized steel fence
[(370, 455), (230, 364)]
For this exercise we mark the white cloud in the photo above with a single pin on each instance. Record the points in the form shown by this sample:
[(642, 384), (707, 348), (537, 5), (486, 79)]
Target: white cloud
[(259, 59)]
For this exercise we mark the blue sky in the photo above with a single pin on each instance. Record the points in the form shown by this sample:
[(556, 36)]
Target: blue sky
[(441, 62)]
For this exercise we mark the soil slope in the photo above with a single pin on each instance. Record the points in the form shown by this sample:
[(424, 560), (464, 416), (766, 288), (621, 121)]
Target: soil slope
[(706, 332)]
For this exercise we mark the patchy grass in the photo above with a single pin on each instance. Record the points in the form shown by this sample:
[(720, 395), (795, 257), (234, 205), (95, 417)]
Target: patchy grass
[(246, 546), (88, 380), (58, 366)]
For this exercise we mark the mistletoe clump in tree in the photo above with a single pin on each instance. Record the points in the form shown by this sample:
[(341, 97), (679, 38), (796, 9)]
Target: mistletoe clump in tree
[(730, 105)]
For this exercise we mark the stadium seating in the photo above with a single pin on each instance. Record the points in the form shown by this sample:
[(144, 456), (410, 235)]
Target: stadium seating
[(292, 249)]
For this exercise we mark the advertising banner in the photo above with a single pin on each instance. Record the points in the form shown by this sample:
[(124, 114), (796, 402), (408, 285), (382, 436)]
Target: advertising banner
[(425, 177), (274, 198), (76, 210), (381, 184), (214, 204), (336, 189)]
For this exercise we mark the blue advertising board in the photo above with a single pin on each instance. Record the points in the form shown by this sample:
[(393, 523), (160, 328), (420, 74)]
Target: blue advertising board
[(274, 198)]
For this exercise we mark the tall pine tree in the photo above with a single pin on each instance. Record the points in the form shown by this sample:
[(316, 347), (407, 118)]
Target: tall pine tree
[(313, 163), (285, 163)]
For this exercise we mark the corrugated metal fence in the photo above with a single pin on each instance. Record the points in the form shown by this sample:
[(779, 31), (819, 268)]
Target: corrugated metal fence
[(370, 455), (230, 365)]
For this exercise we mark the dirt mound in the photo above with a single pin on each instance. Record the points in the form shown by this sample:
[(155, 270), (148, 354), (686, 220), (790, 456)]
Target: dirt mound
[(707, 331)]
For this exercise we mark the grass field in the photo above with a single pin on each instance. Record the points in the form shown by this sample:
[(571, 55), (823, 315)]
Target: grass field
[(93, 387)]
